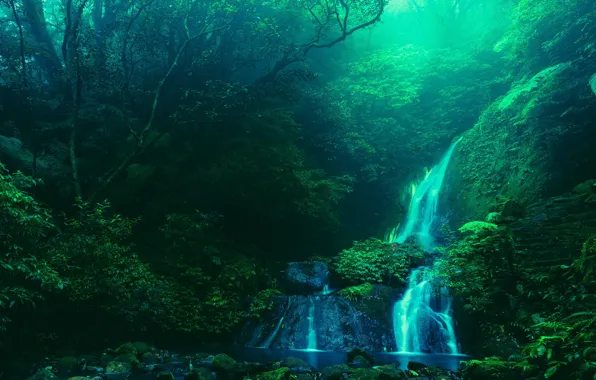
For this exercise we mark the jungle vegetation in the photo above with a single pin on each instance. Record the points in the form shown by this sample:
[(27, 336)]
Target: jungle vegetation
[(161, 160)]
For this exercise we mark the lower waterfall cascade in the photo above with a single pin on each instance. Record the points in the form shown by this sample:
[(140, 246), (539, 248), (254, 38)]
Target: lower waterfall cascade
[(422, 319)]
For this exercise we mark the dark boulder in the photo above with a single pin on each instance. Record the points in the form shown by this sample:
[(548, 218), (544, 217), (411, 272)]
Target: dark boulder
[(306, 277)]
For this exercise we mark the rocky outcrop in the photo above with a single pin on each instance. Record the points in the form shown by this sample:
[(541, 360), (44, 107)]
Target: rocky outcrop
[(340, 324), (534, 142), (306, 277)]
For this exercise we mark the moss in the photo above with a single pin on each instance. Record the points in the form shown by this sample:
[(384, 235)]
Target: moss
[(126, 348), (364, 374), (279, 374), (223, 363), (354, 293), (476, 227), (118, 367), (390, 372), (336, 372)]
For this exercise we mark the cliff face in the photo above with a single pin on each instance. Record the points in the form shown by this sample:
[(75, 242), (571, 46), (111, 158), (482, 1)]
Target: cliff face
[(532, 143)]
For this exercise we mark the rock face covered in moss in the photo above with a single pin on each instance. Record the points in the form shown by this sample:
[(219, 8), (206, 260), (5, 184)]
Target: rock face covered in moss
[(527, 145), (340, 322)]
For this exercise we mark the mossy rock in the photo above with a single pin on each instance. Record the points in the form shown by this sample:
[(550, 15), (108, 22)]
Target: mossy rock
[(148, 358), (390, 372), (364, 374), (296, 364), (128, 358), (199, 373), (279, 374), (118, 367), (105, 358), (127, 348), (375, 305), (304, 376), (67, 364), (223, 363), (143, 348), (43, 374), (336, 372), (477, 227), (357, 292), (359, 357), (165, 375)]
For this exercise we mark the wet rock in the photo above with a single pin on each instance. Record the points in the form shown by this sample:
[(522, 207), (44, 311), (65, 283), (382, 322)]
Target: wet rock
[(416, 366), (279, 374), (304, 376), (165, 376), (67, 364), (360, 357), (360, 362), (390, 372), (364, 374), (90, 360), (126, 348), (340, 323), (306, 277), (142, 348), (336, 372), (118, 367), (105, 358), (43, 374), (200, 373), (149, 358), (223, 363), (297, 365), (127, 358)]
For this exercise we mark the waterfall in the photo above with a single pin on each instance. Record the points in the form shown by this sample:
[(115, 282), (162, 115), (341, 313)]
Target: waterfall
[(271, 337), (421, 319), (422, 210), (312, 332), (269, 340)]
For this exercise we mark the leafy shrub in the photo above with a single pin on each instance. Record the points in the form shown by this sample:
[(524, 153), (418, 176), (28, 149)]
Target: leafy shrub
[(25, 269), (476, 266), (375, 261)]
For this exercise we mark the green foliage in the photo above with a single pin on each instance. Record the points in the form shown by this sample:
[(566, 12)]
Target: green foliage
[(263, 302), (25, 270), (477, 266), (535, 22), (488, 368), (477, 227), (564, 345), (375, 261), (378, 102), (357, 292)]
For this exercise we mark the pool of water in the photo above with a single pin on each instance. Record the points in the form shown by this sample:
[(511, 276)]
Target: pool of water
[(321, 359)]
